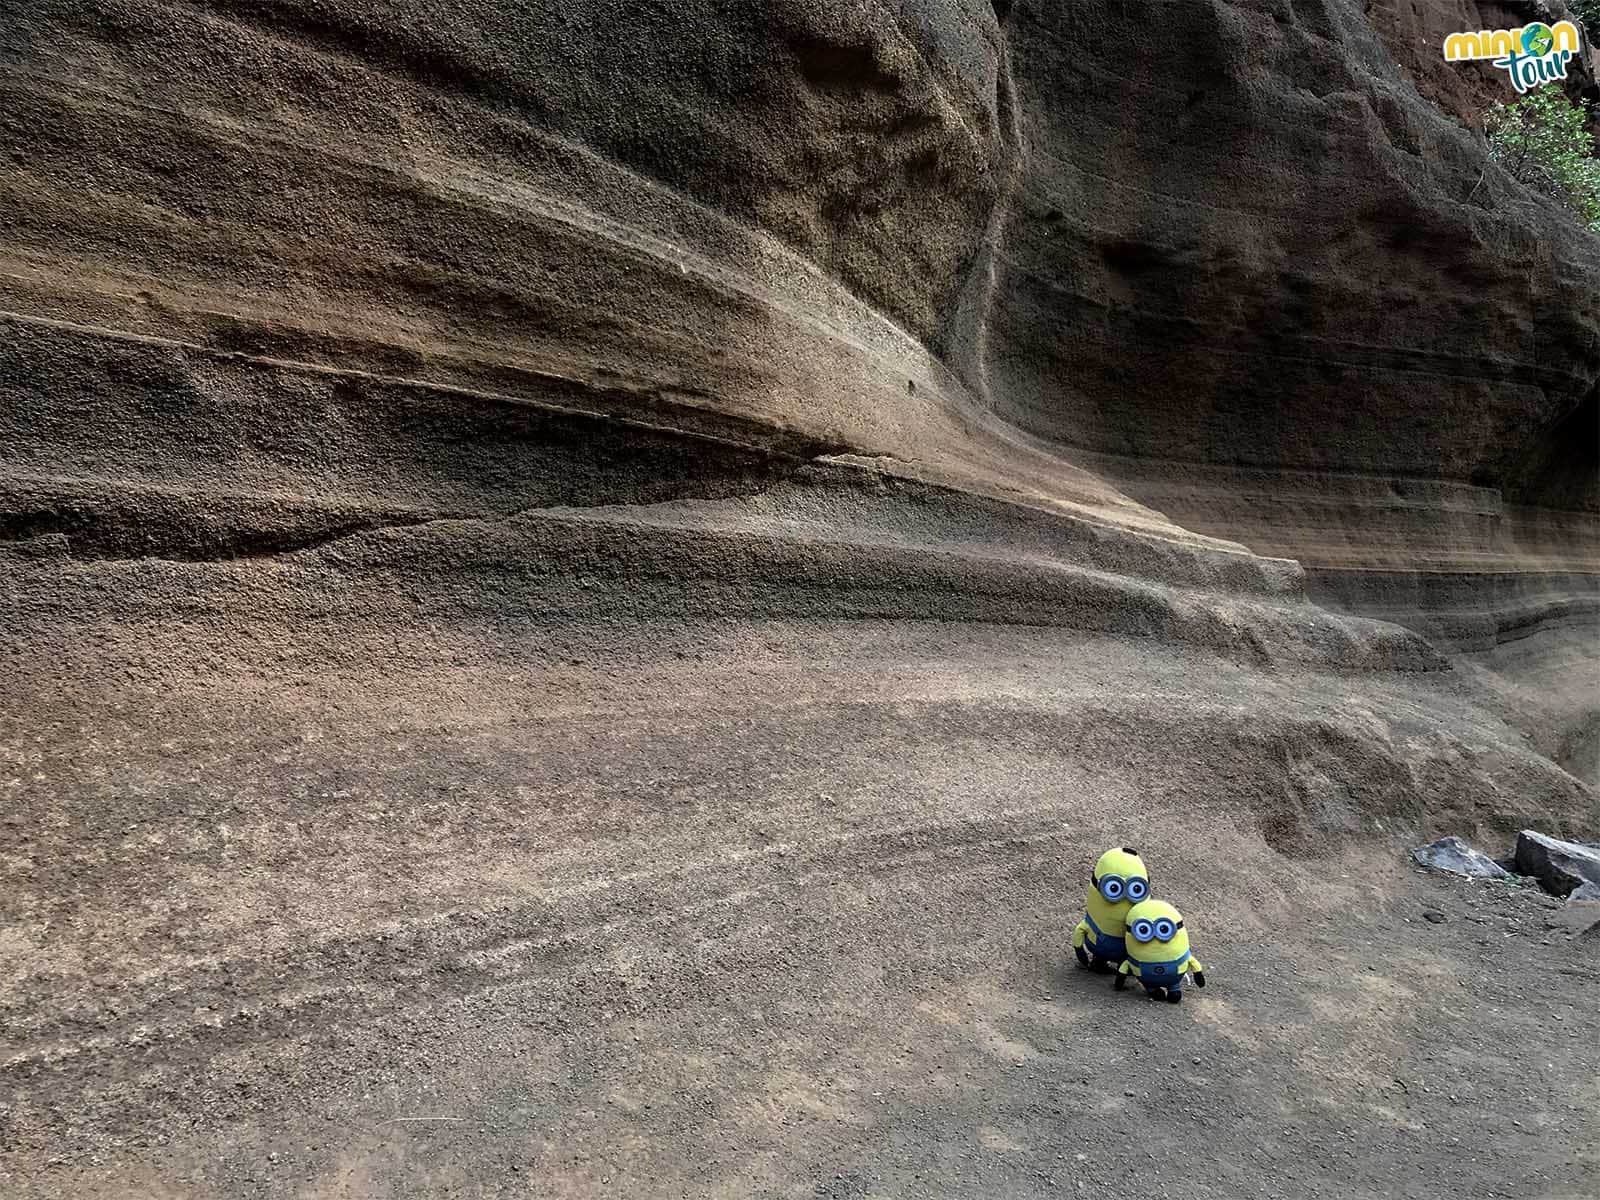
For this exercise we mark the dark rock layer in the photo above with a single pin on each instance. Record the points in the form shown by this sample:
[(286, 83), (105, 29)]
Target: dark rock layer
[(1284, 300)]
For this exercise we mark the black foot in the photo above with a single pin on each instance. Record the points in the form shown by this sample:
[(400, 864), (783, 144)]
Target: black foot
[(1174, 997), (1100, 966), (1157, 993), (1083, 955)]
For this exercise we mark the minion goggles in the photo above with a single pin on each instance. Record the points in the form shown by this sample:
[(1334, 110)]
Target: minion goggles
[(1115, 888), (1161, 929)]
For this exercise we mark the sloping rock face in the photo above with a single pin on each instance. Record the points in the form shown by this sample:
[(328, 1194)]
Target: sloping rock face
[(1243, 241), (1129, 302), (1284, 301), (497, 498), (1214, 272), (1211, 288), (305, 202), (1223, 255)]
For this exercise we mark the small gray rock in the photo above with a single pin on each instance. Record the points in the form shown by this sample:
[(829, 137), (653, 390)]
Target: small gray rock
[(1433, 916), (1560, 867), (1453, 854), (1586, 891)]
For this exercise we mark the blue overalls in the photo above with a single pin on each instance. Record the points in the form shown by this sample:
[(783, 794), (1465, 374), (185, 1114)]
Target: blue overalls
[(1102, 944), (1168, 974)]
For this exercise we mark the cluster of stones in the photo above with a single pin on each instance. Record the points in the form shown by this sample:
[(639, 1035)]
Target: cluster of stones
[(1562, 868)]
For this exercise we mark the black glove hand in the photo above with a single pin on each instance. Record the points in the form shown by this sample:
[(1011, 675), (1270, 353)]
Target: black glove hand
[(1199, 979)]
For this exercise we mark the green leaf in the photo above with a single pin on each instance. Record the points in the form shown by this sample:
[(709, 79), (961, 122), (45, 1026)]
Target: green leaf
[(1543, 140)]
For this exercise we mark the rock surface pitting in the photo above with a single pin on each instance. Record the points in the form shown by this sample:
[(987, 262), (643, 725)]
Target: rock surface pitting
[(555, 556)]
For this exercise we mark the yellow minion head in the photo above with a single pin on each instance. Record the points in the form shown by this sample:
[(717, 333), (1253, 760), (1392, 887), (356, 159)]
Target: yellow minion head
[(1120, 877), (1156, 932)]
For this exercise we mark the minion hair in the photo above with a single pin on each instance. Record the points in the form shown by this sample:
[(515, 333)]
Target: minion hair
[(1130, 850)]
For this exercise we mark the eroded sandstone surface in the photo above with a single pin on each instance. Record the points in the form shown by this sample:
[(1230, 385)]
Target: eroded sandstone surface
[(579, 582)]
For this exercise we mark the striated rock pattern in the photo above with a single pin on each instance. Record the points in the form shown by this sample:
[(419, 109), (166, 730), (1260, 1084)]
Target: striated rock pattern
[(1222, 255), (1253, 252), (1180, 292), (1214, 272), (579, 568)]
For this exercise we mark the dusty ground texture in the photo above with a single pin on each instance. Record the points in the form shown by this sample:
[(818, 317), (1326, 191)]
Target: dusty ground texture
[(581, 583), (776, 909)]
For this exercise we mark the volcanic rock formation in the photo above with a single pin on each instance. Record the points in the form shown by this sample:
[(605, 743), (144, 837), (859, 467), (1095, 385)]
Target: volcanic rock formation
[(1172, 397), (1215, 273)]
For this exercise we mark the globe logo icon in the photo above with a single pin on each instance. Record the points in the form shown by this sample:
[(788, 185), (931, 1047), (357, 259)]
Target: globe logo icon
[(1537, 39)]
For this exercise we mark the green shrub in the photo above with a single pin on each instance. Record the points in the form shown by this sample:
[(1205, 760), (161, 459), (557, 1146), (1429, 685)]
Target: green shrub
[(1588, 12), (1544, 141)]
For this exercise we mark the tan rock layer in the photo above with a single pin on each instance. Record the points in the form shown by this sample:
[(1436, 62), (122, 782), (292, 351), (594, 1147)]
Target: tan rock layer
[(1091, 259)]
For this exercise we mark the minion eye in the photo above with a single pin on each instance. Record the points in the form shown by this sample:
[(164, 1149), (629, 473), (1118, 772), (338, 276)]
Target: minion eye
[(1111, 888), (1138, 889), (1164, 930), (1142, 931)]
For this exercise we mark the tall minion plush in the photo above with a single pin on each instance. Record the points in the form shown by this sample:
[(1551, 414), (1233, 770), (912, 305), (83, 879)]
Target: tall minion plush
[(1118, 883), (1158, 952)]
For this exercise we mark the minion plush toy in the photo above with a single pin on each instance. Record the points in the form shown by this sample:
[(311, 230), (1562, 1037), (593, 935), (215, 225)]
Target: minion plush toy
[(1119, 881), (1158, 951)]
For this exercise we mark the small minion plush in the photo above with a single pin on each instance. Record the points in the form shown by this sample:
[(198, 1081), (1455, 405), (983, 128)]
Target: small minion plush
[(1158, 952), (1119, 882)]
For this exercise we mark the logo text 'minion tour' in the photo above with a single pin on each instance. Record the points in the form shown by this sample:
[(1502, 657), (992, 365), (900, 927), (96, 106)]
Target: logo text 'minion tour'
[(1534, 55)]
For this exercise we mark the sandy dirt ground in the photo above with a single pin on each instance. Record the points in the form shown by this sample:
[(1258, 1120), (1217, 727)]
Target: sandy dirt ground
[(582, 583), (789, 918)]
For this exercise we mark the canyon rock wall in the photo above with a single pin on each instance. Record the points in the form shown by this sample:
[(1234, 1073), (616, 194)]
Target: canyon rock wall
[(581, 580), (1208, 287), (1282, 299)]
